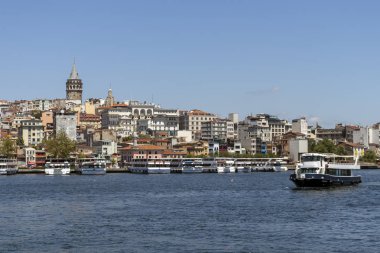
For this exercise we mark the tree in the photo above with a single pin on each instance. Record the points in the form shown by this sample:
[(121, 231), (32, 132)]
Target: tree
[(61, 146), (7, 147), (369, 156), (37, 114), (323, 146), (20, 142)]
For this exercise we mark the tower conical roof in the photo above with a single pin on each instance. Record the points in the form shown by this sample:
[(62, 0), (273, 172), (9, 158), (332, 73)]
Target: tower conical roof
[(74, 73)]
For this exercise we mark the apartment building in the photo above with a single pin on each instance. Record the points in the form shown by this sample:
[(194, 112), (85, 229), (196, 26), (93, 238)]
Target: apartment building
[(192, 120), (31, 132)]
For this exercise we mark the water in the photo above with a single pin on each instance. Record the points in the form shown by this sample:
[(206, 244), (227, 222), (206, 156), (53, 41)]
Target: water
[(258, 212)]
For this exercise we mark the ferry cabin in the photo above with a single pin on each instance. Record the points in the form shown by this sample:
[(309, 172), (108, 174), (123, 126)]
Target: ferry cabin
[(152, 166)]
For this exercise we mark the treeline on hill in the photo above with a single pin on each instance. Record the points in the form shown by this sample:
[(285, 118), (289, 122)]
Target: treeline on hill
[(328, 146), (59, 146), (231, 155)]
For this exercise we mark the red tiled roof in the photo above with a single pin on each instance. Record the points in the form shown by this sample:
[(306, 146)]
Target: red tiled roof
[(143, 147), (199, 112), (172, 152)]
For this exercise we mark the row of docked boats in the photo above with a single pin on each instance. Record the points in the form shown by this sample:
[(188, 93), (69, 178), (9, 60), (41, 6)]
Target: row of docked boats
[(96, 166), (82, 167), (314, 170), (59, 167), (207, 165)]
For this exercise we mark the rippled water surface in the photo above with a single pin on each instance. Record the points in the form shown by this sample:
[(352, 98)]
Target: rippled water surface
[(258, 212)]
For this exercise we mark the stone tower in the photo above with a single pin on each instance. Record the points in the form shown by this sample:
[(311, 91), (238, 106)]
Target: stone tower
[(110, 100), (74, 86)]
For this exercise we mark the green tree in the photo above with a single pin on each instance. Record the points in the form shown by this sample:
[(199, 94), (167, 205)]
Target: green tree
[(323, 146), (60, 146), (369, 156), (341, 151), (7, 147), (37, 114), (20, 142)]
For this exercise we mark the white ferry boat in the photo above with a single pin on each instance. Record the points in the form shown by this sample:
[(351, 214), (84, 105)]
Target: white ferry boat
[(209, 165), (150, 166), (319, 170), (57, 168), (243, 165), (92, 167), (279, 166), (191, 166), (8, 166), (226, 166), (271, 165)]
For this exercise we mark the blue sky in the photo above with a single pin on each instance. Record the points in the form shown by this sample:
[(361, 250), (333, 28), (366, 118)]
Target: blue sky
[(318, 59)]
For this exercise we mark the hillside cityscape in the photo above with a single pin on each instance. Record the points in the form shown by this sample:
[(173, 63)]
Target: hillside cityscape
[(124, 130)]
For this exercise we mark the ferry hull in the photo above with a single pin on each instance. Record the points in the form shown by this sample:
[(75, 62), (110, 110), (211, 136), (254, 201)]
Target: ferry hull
[(56, 171), (226, 170), (324, 180), (147, 170), (8, 171), (243, 169), (189, 170), (97, 171)]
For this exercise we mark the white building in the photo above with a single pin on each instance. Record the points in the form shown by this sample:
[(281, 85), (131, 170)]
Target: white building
[(31, 132), (105, 147), (185, 135), (366, 136), (297, 147), (234, 117), (140, 117), (236, 148), (66, 122), (213, 147), (30, 157), (300, 126)]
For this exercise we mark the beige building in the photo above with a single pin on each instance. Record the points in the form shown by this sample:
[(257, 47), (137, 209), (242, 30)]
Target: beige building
[(217, 129), (31, 132), (47, 118), (90, 120), (192, 120)]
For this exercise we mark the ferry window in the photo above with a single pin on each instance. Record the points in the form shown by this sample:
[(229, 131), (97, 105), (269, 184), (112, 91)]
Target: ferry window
[(311, 158), (308, 170), (345, 173)]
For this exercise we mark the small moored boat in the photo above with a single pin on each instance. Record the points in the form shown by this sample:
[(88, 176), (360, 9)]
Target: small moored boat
[(226, 166), (92, 167), (150, 166), (57, 168), (8, 166)]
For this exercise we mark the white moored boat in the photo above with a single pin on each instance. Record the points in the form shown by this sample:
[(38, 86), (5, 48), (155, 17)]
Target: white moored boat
[(57, 168), (92, 167), (150, 166), (226, 166), (242, 166), (209, 165), (8, 166), (191, 166)]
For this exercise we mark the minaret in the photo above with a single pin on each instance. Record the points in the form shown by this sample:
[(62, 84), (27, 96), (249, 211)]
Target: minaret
[(74, 86)]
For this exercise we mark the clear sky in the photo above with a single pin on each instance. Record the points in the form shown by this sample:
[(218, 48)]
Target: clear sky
[(318, 59)]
